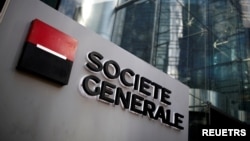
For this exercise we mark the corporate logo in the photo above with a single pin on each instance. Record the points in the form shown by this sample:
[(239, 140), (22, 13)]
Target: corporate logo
[(48, 52)]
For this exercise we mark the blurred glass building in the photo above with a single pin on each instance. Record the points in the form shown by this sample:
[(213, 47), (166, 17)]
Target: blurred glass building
[(203, 43)]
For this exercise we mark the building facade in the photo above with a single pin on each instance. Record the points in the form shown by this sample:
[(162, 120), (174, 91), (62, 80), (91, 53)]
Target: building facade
[(202, 43)]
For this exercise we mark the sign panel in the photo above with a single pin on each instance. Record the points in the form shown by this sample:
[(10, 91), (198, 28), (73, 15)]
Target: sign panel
[(111, 95), (109, 74)]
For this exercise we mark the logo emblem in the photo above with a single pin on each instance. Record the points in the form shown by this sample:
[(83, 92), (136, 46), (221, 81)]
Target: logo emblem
[(48, 52)]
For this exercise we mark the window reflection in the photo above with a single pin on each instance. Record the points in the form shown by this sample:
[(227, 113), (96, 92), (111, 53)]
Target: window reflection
[(203, 43)]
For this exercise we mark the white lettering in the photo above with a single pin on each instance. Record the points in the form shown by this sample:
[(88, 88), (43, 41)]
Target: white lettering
[(211, 132), (204, 132), (236, 132), (223, 132), (243, 132), (230, 131)]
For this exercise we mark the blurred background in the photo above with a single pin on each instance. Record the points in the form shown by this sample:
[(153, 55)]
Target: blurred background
[(202, 43)]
